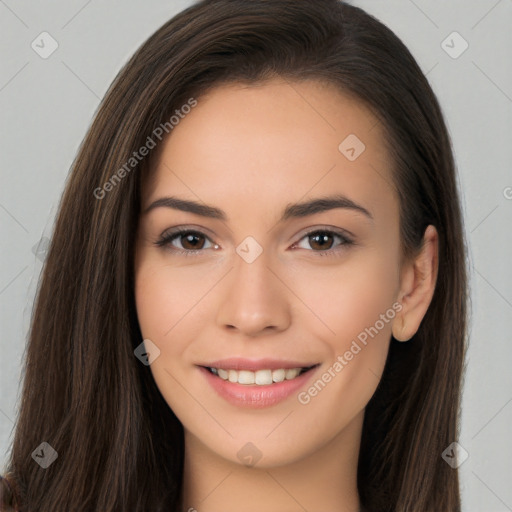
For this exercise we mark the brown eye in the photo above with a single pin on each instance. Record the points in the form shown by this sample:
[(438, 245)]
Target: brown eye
[(191, 241), (185, 241), (321, 241)]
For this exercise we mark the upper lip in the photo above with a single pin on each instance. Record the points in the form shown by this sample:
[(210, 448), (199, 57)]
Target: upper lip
[(238, 363)]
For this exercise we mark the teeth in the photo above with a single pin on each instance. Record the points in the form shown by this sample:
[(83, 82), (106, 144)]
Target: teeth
[(245, 377), (278, 375), (263, 377), (260, 377), (223, 373)]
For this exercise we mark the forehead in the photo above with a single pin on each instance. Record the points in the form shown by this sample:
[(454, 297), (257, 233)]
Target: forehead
[(278, 140)]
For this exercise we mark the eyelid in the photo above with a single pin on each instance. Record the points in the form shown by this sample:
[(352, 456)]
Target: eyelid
[(345, 233)]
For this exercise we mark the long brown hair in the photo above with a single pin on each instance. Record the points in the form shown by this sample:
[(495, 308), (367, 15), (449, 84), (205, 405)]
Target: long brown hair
[(120, 446)]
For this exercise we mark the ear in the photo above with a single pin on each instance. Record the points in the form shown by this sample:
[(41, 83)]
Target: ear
[(417, 284)]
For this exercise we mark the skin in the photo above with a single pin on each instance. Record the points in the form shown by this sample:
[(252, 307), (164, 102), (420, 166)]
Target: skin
[(251, 150)]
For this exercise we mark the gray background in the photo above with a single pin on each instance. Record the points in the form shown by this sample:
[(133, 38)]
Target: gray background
[(48, 104)]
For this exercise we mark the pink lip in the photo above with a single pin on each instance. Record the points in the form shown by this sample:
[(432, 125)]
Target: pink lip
[(256, 397), (238, 363)]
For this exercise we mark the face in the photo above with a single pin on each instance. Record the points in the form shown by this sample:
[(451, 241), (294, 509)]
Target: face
[(259, 287)]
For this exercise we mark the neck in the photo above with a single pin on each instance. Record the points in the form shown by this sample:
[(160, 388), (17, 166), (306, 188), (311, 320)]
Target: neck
[(323, 480)]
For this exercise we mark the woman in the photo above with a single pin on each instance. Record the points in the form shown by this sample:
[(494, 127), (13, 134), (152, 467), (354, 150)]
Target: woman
[(241, 369)]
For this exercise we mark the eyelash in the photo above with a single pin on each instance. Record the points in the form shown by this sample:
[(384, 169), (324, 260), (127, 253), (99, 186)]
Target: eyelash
[(167, 238)]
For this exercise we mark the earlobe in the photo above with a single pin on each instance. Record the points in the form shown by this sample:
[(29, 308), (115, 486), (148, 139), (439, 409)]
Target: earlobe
[(417, 287), (399, 328)]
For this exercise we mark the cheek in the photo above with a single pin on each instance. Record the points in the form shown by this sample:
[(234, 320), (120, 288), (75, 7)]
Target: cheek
[(346, 299), (174, 306), (167, 299), (357, 308), (165, 295), (353, 314)]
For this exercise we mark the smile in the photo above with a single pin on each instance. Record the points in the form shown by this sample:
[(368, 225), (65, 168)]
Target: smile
[(257, 388), (265, 377)]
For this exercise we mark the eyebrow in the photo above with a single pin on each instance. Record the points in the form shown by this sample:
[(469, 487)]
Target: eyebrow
[(294, 210)]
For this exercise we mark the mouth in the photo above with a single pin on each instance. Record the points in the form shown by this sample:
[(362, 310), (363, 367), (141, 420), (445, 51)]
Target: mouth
[(250, 384), (263, 377)]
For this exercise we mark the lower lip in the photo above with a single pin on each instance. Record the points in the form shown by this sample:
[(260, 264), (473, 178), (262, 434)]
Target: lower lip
[(256, 397)]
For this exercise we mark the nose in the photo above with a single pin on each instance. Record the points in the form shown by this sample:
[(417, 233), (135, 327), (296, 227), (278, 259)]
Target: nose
[(254, 299)]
